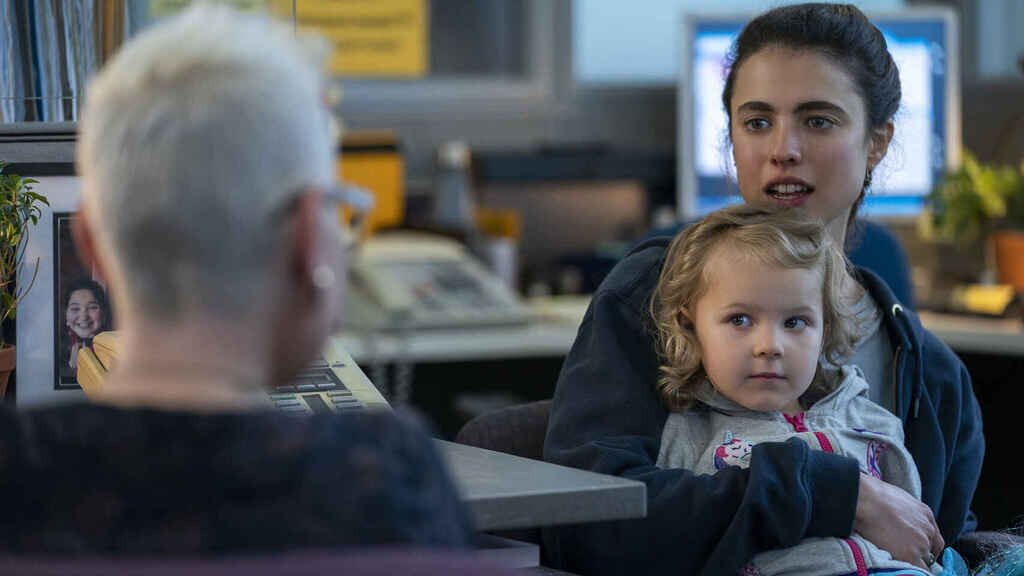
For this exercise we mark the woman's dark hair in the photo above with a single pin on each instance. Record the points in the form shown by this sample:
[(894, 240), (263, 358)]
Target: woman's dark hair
[(842, 33), (98, 292)]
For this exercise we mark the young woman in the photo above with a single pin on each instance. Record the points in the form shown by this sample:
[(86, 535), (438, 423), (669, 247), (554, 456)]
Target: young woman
[(811, 95)]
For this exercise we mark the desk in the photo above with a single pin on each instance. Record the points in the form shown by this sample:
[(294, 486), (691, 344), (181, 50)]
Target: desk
[(555, 322), (1004, 337), (550, 333), (508, 492)]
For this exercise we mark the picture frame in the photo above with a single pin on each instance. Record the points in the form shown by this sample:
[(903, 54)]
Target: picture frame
[(81, 303), (38, 377)]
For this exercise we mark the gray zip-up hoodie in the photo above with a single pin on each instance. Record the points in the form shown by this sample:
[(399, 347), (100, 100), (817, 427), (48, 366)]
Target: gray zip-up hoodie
[(717, 433)]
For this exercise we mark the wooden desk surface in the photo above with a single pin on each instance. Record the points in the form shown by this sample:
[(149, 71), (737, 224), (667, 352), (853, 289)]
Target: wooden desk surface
[(506, 492)]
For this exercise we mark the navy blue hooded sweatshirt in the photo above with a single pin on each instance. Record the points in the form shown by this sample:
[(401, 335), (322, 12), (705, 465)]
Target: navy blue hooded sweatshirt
[(607, 418)]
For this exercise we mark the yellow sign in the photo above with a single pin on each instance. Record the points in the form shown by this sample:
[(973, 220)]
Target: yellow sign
[(377, 38), (161, 8)]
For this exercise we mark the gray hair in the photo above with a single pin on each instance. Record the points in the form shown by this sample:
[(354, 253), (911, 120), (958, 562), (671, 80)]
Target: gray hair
[(193, 135)]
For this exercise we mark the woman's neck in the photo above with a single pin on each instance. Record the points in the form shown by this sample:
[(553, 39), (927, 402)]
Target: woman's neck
[(852, 291), (192, 366)]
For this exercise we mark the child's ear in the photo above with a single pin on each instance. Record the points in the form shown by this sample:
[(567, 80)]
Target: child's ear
[(683, 318)]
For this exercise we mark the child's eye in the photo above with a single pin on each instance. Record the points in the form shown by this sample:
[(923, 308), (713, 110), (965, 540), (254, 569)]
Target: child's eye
[(796, 323), (739, 320), (820, 122)]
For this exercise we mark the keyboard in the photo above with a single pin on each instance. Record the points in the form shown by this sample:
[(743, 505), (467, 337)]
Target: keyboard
[(321, 387)]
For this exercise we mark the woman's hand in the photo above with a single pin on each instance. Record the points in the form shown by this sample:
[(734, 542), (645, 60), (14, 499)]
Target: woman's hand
[(895, 521)]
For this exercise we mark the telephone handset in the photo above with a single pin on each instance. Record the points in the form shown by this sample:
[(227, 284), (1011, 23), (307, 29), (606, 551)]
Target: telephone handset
[(413, 280), (331, 383)]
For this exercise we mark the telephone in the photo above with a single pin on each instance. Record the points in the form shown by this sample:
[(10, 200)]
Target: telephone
[(409, 280), (331, 383)]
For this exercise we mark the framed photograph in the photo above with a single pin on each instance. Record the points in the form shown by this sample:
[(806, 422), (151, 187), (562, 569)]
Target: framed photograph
[(81, 305), (43, 340)]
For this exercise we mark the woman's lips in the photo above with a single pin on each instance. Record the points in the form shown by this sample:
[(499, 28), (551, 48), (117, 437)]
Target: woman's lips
[(788, 194)]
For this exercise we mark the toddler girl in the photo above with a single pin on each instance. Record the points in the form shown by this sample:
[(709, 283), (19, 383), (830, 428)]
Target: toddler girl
[(752, 330)]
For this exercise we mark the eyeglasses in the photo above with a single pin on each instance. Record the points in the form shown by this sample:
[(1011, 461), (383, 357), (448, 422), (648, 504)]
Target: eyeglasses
[(353, 200), (358, 203)]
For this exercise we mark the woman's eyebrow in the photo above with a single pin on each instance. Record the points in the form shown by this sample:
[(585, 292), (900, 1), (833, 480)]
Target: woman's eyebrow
[(755, 106), (820, 106), (811, 105)]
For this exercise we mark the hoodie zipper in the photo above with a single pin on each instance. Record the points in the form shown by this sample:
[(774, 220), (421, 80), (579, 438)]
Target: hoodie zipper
[(897, 365), (896, 358)]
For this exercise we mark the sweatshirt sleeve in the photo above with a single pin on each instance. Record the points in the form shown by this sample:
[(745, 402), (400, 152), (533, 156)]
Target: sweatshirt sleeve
[(607, 418)]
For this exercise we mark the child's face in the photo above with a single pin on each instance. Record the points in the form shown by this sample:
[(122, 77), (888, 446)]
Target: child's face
[(760, 330), (83, 314)]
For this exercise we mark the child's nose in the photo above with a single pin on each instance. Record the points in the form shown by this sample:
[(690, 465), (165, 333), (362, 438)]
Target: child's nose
[(768, 344)]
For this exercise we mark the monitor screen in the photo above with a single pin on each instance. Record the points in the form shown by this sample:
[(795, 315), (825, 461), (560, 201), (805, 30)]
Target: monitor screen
[(926, 139)]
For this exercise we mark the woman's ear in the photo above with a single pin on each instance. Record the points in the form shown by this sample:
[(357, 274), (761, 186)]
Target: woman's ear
[(879, 144), (301, 249)]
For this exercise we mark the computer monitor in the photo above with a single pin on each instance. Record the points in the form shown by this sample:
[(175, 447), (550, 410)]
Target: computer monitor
[(926, 143)]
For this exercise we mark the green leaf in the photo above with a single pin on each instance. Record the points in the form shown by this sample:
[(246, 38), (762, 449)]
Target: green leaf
[(19, 210)]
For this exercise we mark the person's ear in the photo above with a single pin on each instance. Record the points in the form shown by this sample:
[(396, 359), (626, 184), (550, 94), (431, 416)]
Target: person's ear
[(302, 250), (879, 143), (85, 243)]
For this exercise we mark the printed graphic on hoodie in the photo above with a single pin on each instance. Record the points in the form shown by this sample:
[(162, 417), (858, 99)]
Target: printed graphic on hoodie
[(732, 452), (876, 450)]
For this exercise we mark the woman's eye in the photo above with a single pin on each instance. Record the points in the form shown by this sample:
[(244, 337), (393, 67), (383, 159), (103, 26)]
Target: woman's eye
[(820, 123), (796, 323), (739, 320), (756, 124)]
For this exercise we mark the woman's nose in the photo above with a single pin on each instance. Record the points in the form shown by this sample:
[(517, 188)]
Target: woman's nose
[(785, 146)]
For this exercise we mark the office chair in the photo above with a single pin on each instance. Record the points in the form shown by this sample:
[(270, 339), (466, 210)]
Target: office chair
[(517, 430)]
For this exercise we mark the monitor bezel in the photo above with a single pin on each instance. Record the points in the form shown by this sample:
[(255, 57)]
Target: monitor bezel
[(686, 173)]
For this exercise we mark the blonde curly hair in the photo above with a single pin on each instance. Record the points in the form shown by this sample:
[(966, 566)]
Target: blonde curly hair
[(788, 239)]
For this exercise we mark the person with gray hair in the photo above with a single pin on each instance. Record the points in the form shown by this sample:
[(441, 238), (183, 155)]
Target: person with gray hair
[(210, 208)]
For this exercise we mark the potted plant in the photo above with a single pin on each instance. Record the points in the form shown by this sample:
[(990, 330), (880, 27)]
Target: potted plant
[(19, 209), (981, 201)]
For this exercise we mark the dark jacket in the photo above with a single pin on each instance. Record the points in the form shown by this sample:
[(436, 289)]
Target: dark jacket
[(607, 418), (94, 480)]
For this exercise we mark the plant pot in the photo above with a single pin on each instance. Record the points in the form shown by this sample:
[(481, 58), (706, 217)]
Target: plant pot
[(1009, 250), (8, 358)]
